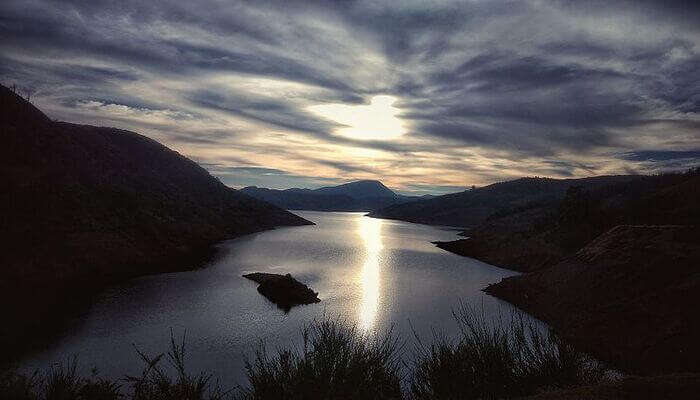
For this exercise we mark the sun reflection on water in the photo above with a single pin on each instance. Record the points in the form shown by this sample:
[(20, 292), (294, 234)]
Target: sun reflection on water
[(370, 229)]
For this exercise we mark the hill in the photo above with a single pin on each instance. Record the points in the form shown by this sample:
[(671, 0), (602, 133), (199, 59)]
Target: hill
[(471, 207), (540, 235), (627, 297), (359, 190), (364, 195), (84, 206)]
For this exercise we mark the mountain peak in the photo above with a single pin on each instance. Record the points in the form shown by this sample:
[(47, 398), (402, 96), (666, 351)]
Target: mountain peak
[(359, 189)]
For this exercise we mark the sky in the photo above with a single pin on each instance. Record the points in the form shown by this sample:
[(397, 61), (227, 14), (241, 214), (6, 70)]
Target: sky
[(426, 96)]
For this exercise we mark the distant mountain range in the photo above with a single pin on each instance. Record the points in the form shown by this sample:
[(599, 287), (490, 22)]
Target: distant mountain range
[(365, 195), (84, 206)]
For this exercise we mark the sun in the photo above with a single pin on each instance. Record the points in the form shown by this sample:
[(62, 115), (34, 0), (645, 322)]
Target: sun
[(376, 121)]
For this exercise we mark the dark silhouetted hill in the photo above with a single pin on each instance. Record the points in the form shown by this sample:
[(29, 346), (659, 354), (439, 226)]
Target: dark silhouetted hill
[(629, 297), (471, 207), (538, 236), (364, 195), (83, 206), (359, 189)]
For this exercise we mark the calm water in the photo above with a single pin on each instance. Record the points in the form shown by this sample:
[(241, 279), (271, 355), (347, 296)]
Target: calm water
[(375, 273)]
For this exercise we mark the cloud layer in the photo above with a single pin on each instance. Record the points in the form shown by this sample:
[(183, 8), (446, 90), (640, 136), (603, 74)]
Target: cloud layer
[(486, 90)]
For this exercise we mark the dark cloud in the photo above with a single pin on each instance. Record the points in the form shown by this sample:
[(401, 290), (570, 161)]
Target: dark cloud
[(347, 167), (258, 170), (266, 110), (543, 104), (419, 190), (654, 161), (211, 137), (676, 12), (273, 178), (661, 155), (580, 48), (493, 72)]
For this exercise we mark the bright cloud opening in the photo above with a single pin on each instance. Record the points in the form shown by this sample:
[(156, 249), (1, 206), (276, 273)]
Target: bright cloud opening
[(374, 121)]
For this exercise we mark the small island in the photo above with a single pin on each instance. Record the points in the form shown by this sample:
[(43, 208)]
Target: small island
[(283, 290)]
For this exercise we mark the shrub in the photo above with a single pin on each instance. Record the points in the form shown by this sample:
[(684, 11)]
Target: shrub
[(337, 362), (156, 384), (62, 382), (19, 387), (496, 359)]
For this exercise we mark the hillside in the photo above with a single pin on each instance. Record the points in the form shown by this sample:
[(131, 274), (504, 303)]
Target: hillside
[(471, 207), (531, 238), (627, 297), (663, 387), (364, 195), (84, 206)]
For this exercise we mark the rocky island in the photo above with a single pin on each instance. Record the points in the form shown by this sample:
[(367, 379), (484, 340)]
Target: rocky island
[(283, 290)]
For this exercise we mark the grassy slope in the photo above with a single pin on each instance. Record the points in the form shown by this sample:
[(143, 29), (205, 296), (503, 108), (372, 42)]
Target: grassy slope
[(627, 297)]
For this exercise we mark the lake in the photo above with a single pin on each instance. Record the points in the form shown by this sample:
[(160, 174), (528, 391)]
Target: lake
[(374, 273)]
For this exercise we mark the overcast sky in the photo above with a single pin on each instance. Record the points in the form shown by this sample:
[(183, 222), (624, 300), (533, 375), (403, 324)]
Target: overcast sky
[(425, 96)]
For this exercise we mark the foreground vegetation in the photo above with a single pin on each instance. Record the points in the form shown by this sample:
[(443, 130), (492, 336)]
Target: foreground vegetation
[(489, 360), (506, 359)]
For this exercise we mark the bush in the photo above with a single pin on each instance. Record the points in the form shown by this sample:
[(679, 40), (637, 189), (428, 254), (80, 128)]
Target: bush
[(156, 384), (337, 362), (62, 382), (19, 387), (496, 359)]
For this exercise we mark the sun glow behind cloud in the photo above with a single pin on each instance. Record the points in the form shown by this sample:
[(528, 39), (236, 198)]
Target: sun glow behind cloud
[(378, 120)]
